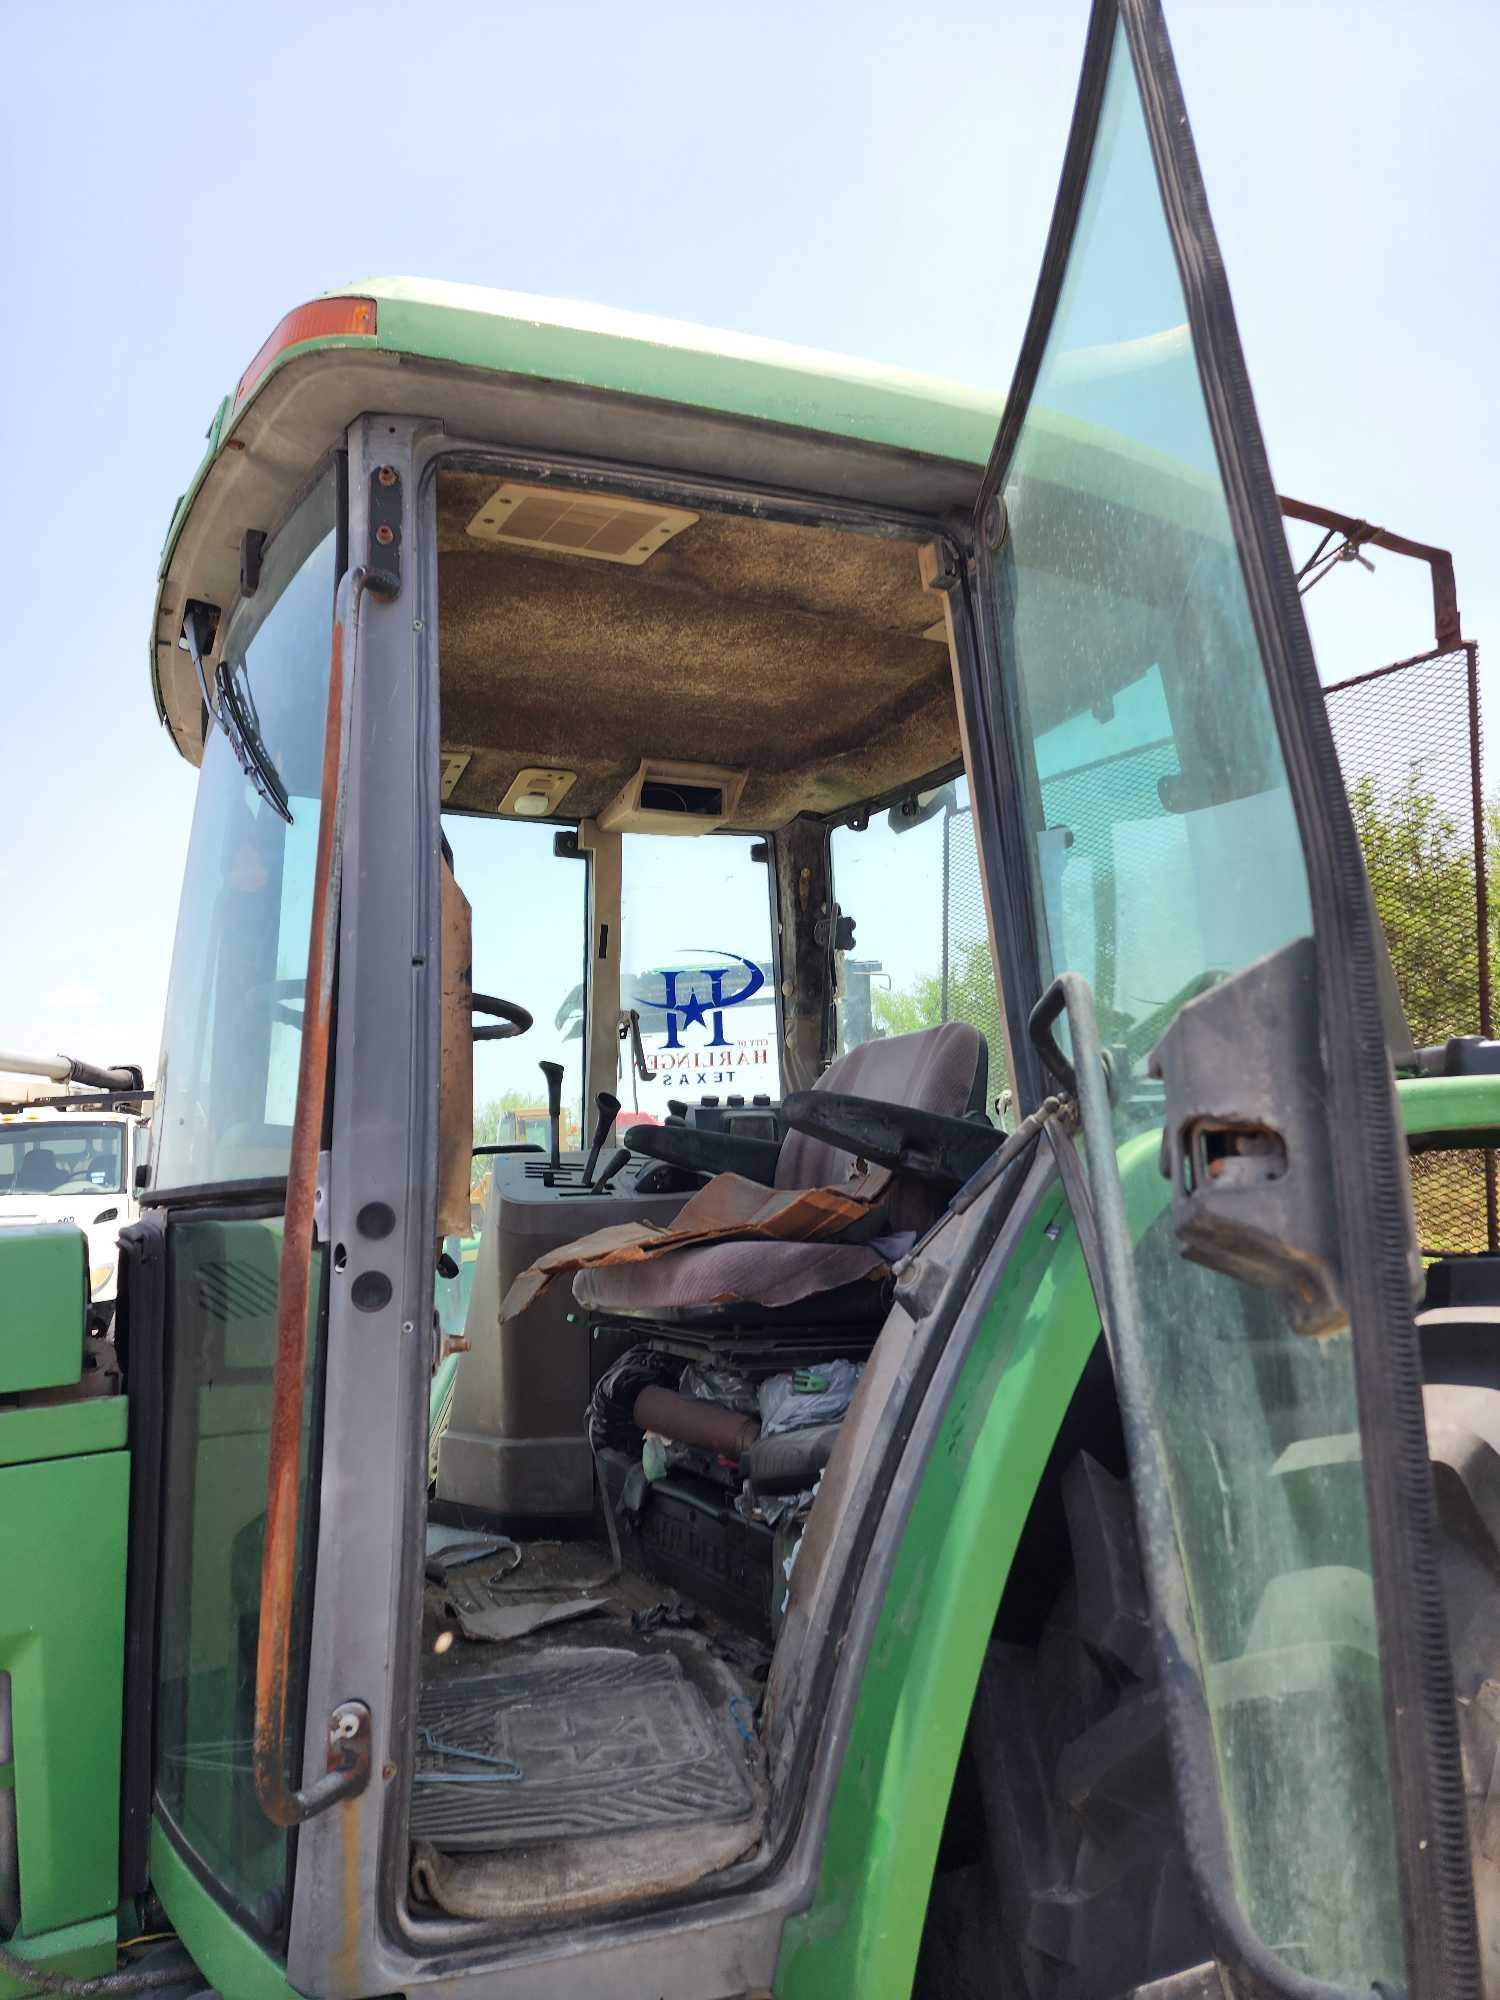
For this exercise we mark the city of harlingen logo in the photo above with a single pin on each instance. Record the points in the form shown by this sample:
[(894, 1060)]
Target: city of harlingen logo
[(697, 1009)]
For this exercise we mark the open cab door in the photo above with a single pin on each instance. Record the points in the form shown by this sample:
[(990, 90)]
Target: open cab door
[(1197, 935)]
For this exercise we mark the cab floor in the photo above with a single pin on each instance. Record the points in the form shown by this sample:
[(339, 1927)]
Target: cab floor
[(608, 1760), (561, 1570)]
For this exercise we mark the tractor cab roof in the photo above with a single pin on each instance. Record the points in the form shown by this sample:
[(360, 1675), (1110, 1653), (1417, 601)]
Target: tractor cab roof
[(550, 375), (554, 385)]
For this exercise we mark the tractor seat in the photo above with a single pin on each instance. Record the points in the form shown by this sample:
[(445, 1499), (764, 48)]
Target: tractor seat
[(934, 1081)]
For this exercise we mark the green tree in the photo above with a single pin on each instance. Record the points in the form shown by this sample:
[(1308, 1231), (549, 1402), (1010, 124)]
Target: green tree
[(1420, 861), (971, 997), (487, 1117)]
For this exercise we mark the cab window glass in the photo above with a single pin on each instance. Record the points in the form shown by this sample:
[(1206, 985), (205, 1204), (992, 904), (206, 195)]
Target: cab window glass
[(226, 1082), (696, 968), (921, 955), (529, 914), (221, 1341), (1165, 856)]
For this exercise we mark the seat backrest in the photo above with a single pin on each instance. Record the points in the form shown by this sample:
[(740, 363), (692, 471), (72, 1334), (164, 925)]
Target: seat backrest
[(39, 1172), (944, 1070)]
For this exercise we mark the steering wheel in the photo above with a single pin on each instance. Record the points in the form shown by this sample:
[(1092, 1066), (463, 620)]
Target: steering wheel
[(288, 995), (510, 1021)]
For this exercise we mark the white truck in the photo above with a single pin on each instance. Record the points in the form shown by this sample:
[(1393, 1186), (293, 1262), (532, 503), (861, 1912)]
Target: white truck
[(73, 1157)]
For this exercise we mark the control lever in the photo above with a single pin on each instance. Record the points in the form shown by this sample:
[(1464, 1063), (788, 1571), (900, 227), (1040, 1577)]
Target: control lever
[(609, 1110), (630, 1030), (554, 1075), (611, 1167)]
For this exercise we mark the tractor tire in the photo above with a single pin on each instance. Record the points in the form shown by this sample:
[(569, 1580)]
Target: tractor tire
[(1463, 1439), (1079, 1888)]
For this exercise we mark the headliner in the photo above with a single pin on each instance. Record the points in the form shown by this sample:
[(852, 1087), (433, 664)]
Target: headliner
[(794, 652)]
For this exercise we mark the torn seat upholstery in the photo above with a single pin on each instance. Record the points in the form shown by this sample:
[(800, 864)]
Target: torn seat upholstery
[(829, 1223)]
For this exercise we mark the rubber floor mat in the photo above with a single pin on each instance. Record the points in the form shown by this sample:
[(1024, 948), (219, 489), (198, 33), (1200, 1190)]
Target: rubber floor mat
[(605, 1741)]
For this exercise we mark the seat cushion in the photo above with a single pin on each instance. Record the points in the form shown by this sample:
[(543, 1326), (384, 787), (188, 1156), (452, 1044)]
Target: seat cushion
[(735, 1241), (720, 1274), (942, 1070), (727, 1210)]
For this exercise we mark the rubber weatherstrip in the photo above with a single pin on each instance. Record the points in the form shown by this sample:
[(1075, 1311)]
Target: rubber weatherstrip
[(1370, 1186)]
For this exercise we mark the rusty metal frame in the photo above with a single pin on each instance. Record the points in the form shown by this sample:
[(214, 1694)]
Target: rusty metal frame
[(1358, 534), (1476, 797), (1448, 639), (348, 1734)]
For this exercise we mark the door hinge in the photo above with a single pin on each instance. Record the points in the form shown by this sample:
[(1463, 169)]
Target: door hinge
[(384, 559)]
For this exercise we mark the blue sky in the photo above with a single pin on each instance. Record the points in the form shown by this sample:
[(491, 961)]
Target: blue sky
[(868, 178)]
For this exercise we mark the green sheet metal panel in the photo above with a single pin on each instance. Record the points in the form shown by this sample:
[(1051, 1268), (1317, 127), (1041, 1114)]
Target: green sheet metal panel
[(222, 1949), (63, 1430), (1458, 1105), (79, 1951), (863, 1929), (43, 1298), (62, 1641)]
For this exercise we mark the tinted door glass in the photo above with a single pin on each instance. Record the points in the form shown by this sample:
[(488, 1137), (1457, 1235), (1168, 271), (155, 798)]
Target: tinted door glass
[(1164, 855), (221, 1342)]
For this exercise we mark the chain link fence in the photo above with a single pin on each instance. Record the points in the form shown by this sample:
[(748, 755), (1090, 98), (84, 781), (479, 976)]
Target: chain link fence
[(1409, 744)]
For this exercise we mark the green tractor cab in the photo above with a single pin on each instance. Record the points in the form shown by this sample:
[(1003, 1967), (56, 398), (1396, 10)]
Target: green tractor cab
[(912, 1474)]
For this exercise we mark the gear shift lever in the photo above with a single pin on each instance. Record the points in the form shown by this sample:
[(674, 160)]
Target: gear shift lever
[(609, 1108), (611, 1168), (554, 1075)]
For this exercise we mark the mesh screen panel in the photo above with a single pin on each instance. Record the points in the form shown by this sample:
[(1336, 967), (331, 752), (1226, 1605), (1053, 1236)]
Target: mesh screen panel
[(1449, 1196), (1408, 745), (1405, 746)]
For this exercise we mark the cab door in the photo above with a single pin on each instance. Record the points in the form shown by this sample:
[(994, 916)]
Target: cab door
[(1196, 940)]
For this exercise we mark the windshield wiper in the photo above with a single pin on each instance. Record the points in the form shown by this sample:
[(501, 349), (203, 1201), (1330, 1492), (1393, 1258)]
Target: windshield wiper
[(248, 743), (233, 711)]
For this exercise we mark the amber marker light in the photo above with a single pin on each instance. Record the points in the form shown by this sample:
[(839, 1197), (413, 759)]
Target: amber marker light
[(321, 319)]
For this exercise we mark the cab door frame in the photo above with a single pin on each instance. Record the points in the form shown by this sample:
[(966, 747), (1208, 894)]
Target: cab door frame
[(380, 1196)]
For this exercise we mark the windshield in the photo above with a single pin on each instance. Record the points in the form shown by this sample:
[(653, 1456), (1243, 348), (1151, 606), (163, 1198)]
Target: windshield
[(227, 1081), (59, 1158)]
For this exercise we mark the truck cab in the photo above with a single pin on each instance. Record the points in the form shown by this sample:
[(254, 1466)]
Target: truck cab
[(61, 1165)]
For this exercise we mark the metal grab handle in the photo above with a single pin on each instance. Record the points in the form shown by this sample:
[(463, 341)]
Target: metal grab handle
[(1039, 1026), (348, 1768)]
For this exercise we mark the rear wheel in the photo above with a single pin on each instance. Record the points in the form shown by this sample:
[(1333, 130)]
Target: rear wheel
[(1463, 1437), (1081, 1861), (1074, 1884)]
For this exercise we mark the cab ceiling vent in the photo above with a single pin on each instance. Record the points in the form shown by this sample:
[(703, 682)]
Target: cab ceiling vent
[(673, 798), (577, 524)]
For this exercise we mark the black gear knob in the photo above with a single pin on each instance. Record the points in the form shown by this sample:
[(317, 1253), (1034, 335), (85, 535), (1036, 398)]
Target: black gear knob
[(554, 1075), (609, 1107)]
